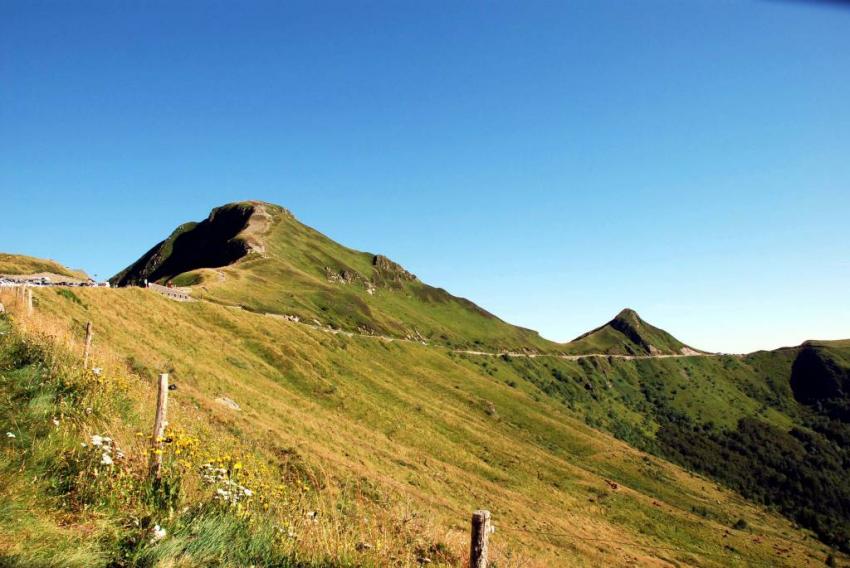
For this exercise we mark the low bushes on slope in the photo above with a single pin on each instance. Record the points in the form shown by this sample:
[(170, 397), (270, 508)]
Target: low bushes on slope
[(801, 472)]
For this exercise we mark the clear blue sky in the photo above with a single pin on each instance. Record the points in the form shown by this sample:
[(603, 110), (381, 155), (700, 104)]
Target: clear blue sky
[(553, 161)]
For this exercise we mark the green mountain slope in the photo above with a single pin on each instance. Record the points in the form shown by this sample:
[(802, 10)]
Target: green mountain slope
[(368, 452), (697, 410), (628, 334), (469, 401), (258, 256)]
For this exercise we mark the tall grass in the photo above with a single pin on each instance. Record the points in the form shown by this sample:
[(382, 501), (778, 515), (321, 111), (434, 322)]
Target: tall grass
[(61, 504)]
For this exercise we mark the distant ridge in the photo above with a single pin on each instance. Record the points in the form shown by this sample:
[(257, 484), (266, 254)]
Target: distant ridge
[(20, 265)]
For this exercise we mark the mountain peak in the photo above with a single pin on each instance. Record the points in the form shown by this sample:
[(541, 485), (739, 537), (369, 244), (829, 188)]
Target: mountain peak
[(628, 334), (628, 315), (258, 256)]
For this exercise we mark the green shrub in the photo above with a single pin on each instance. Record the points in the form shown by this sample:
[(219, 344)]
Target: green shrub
[(69, 295)]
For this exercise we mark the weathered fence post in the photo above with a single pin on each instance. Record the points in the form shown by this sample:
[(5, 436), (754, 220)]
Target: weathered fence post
[(29, 300), (159, 426), (480, 536), (89, 334)]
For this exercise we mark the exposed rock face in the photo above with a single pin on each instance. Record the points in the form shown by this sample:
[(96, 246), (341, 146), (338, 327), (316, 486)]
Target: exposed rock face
[(387, 274), (387, 270), (343, 276)]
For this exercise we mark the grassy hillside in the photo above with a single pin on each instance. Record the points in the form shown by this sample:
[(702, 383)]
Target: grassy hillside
[(260, 257), (19, 265), (628, 334), (382, 450)]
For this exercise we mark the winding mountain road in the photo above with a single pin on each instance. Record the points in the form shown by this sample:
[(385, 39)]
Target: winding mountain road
[(568, 357), (390, 339)]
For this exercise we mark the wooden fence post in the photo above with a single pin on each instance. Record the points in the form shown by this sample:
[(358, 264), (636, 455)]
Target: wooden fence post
[(89, 334), (480, 536), (159, 426), (29, 300)]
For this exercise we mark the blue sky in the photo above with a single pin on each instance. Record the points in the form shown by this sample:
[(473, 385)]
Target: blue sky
[(552, 161)]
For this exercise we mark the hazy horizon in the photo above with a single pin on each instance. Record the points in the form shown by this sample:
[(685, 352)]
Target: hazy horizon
[(554, 163)]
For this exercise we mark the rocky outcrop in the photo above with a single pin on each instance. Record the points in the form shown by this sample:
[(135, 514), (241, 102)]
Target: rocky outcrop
[(387, 274), (387, 270), (343, 276)]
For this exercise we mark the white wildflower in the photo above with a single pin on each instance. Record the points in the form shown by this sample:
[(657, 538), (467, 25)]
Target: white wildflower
[(158, 533), (247, 492), (105, 459), (96, 440), (10, 435), (56, 422)]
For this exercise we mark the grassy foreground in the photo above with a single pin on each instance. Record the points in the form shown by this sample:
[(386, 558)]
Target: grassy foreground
[(355, 451)]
